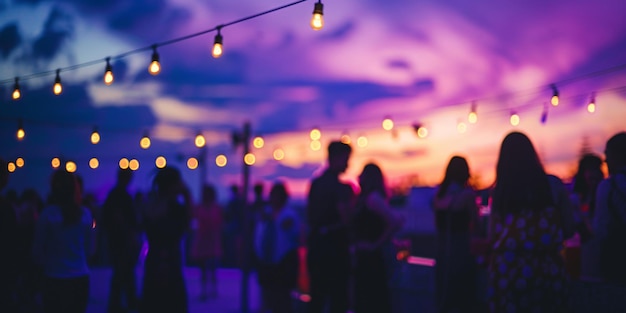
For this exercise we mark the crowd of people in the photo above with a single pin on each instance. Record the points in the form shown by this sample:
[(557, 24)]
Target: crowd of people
[(542, 236)]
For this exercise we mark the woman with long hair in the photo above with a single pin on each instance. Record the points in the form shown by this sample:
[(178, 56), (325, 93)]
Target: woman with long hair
[(374, 224), (455, 214), (63, 241), (531, 215)]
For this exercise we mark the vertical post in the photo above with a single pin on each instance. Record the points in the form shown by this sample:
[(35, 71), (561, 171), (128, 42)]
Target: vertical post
[(248, 225), (204, 167)]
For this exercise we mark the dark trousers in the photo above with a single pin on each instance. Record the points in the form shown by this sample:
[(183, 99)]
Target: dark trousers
[(329, 274), (123, 284), (67, 295), (277, 281)]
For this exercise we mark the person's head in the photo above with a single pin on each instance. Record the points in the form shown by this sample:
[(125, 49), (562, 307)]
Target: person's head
[(521, 182), (124, 176), (278, 195), (615, 152), (4, 173), (456, 172), (167, 181), (209, 195), (371, 180), (589, 174), (65, 192), (234, 190), (258, 190), (338, 156)]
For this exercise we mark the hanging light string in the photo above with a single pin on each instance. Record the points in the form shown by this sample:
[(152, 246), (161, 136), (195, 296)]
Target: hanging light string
[(148, 48)]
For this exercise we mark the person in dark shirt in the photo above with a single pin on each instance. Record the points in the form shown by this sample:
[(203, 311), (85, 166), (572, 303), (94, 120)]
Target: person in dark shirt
[(328, 257), (122, 231), (8, 231)]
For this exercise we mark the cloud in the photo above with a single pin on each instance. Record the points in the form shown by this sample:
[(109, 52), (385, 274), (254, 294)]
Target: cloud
[(57, 30), (10, 39)]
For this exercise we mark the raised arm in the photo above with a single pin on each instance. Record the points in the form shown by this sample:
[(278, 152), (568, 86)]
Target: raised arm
[(392, 222)]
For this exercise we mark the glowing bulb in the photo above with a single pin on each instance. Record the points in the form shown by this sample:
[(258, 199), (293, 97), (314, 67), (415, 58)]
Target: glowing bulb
[(249, 159), (217, 45), (55, 162), (555, 96), (155, 66), (200, 141), (514, 119), (94, 163), (144, 143), (315, 134), (19, 162), (422, 132), (316, 145), (16, 90), (317, 21), (133, 165), (124, 163), (221, 160), (192, 163), (70, 166), (362, 141), (108, 73), (11, 167), (387, 124), (279, 154), (461, 127), (472, 117), (57, 89), (258, 142), (591, 107), (20, 133), (160, 162), (346, 139), (95, 137)]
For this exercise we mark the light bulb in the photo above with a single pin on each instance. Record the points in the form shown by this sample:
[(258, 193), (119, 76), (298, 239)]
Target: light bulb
[(315, 134), (70, 166), (316, 145), (221, 160), (20, 133), (133, 165), (362, 141), (591, 107), (155, 66), (19, 162), (192, 163), (249, 159), (94, 163), (345, 138), (160, 162), (108, 73), (11, 167), (422, 132), (555, 96), (217, 45), (16, 90), (258, 142), (514, 119), (279, 154), (144, 143), (200, 141), (55, 163), (387, 124), (317, 21), (95, 137), (58, 88), (124, 163)]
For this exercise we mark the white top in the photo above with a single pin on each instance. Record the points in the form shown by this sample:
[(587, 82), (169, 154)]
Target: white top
[(287, 234)]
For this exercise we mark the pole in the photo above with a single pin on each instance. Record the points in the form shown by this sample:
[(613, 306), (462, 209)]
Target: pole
[(248, 224)]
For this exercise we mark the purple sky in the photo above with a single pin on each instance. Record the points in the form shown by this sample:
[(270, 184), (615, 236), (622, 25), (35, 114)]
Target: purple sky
[(413, 61)]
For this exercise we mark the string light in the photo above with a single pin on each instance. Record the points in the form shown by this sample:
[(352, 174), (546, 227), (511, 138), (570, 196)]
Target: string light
[(591, 107), (124, 163), (362, 141), (249, 159), (95, 136), (19, 162), (315, 134), (108, 72), (57, 88), (420, 130), (278, 154), (200, 141), (11, 167), (317, 21), (155, 65), (221, 160), (133, 165), (345, 138), (461, 127), (473, 116), (20, 131), (217, 44), (94, 163), (192, 163), (387, 123), (70, 166), (258, 142), (16, 89), (160, 162), (555, 96), (55, 163), (514, 119), (316, 145), (144, 143)]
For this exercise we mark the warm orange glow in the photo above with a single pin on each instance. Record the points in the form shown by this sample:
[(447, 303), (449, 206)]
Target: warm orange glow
[(154, 68), (57, 89), (422, 132), (19, 162), (316, 145), (133, 165), (387, 124), (346, 139), (258, 142), (11, 167), (55, 163), (108, 77), (16, 94), (200, 141), (192, 163), (144, 143), (514, 119), (94, 163), (279, 154), (317, 20), (218, 50), (554, 100), (315, 134), (95, 137), (221, 160), (124, 163), (160, 162), (70, 166), (249, 159), (591, 107), (362, 141), (472, 117), (20, 134)]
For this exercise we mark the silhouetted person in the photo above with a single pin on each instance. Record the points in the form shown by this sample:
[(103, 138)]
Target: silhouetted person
[(233, 227), (166, 220), (8, 246), (29, 208), (63, 242), (328, 258), (455, 213), (119, 222), (373, 224)]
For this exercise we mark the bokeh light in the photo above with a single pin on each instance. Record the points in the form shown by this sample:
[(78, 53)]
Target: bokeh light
[(70, 166), (192, 163), (133, 164), (221, 160), (94, 163), (249, 159), (160, 162), (124, 163)]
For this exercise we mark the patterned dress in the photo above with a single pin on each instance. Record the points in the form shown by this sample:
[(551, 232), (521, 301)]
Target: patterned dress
[(526, 272)]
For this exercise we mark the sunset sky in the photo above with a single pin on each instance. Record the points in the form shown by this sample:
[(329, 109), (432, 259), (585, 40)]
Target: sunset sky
[(416, 62)]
